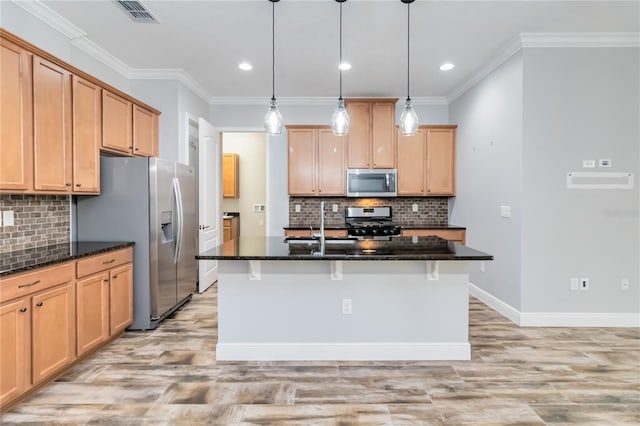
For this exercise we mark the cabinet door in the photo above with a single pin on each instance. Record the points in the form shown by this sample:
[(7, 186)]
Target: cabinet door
[(87, 135), (15, 350), (230, 175), (120, 298), (411, 163), (16, 147), (441, 154), (53, 330), (359, 137), (52, 127), (383, 135), (116, 123), (92, 296), (302, 160), (331, 164), (226, 230), (143, 131)]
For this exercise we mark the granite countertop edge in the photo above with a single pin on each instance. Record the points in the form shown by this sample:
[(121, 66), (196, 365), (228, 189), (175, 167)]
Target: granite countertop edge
[(409, 226), (452, 257), (89, 248)]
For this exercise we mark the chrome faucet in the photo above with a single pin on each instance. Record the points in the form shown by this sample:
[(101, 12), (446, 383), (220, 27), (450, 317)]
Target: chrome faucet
[(321, 234)]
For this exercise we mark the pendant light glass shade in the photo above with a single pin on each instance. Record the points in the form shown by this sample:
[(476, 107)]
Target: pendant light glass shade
[(340, 119), (408, 119), (273, 118)]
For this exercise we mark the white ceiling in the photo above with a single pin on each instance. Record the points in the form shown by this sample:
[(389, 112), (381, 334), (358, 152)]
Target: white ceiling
[(208, 39)]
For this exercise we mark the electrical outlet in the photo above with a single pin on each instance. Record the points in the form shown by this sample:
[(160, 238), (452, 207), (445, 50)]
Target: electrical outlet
[(584, 283), (624, 284), (482, 267), (604, 162), (505, 211), (334, 208), (347, 307), (7, 218), (575, 284), (414, 207), (297, 208)]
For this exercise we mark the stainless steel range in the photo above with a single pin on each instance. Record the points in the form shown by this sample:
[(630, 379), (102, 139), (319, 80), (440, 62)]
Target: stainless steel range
[(370, 222)]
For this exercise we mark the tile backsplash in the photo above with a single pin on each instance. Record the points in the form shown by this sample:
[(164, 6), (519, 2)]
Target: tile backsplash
[(431, 210), (39, 220)]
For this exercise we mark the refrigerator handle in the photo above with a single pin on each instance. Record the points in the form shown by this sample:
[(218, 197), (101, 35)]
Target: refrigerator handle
[(178, 212)]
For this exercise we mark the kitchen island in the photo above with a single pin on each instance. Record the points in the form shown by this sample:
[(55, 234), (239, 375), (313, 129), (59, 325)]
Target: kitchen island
[(405, 298)]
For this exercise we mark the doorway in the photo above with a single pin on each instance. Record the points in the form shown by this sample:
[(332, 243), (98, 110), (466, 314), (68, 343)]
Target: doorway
[(249, 201)]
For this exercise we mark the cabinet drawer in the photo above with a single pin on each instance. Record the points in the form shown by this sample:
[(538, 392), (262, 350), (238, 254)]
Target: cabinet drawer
[(30, 282), (103, 262), (457, 235)]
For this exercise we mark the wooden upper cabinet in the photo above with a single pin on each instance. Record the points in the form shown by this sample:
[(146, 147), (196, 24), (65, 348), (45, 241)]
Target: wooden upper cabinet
[(441, 161), (52, 127), (383, 135), (359, 137), (411, 163), (16, 140), (117, 122), (331, 164), (230, 175), (144, 131), (302, 161), (371, 138), (87, 135)]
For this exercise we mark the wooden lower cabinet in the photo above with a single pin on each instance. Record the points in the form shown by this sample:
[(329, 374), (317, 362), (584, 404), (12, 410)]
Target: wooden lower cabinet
[(51, 316), (455, 235), (230, 229), (307, 232), (53, 330), (15, 349), (92, 311), (120, 298)]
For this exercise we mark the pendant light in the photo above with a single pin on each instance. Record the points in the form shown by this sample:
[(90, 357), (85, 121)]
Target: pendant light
[(408, 118), (273, 118), (340, 117)]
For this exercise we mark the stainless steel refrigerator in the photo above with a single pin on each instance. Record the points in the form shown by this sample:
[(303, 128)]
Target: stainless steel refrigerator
[(154, 203)]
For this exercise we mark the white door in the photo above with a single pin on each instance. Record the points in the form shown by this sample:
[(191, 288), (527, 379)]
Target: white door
[(210, 196)]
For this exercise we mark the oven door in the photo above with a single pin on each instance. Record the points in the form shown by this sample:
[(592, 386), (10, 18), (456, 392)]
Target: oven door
[(371, 183)]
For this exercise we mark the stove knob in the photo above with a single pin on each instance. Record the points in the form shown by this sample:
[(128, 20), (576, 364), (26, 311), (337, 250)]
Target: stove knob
[(385, 231), (374, 231)]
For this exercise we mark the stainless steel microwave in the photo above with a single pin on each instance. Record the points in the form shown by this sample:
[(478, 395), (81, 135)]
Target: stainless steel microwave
[(371, 183)]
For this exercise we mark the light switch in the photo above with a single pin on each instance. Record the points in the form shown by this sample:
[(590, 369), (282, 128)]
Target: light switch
[(7, 218), (588, 164), (505, 211)]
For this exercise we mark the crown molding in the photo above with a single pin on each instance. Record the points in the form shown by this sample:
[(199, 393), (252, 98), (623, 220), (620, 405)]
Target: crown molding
[(97, 52), (171, 74), (566, 40), (547, 40), (51, 18)]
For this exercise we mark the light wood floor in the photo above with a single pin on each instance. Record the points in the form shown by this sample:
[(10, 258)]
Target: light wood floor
[(516, 376)]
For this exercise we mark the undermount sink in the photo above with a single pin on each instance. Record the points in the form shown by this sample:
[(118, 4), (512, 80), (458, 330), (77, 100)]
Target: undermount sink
[(327, 240)]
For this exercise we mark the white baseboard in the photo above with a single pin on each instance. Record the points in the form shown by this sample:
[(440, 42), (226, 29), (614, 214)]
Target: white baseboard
[(342, 351), (498, 305), (556, 319)]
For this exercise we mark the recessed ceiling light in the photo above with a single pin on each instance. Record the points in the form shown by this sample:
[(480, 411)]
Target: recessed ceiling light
[(345, 66), (245, 66), (446, 67)]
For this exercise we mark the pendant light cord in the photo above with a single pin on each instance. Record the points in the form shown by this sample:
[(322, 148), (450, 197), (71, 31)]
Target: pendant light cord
[(273, 51), (408, 41), (340, 64)]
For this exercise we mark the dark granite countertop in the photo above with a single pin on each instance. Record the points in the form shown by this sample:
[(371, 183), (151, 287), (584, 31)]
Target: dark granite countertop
[(405, 226), (37, 257), (396, 248)]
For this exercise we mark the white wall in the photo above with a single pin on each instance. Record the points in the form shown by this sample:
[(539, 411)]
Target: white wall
[(251, 149), (580, 104), (250, 117), (194, 105), (489, 165)]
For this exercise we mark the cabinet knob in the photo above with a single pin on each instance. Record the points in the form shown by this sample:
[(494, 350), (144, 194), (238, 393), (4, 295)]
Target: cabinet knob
[(67, 184), (39, 304), (78, 184), (23, 310), (106, 281), (136, 149), (115, 276)]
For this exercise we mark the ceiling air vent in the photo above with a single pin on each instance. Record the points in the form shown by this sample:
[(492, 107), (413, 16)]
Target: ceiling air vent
[(137, 12)]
